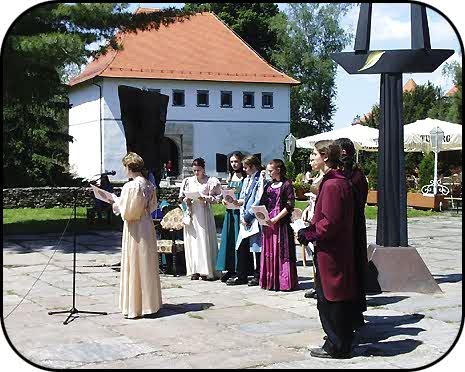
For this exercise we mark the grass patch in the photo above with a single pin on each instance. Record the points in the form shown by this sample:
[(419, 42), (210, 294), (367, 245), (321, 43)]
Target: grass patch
[(54, 220)]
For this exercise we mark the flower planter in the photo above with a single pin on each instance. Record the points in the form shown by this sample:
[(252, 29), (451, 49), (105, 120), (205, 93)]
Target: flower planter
[(300, 193), (416, 200)]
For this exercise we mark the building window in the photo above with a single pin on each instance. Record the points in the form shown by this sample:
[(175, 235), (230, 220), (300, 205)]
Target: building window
[(221, 163), (267, 100), (248, 99), (202, 98), (178, 97), (226, 99)]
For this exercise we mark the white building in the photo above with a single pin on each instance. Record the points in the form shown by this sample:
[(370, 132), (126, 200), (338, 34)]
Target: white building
[(223, 97)]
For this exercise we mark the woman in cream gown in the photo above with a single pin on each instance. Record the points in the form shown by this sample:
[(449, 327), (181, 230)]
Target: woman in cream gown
[(140, 290), (200, 240)]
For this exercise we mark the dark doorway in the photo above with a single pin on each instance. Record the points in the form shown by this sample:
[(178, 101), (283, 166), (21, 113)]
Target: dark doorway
[(169, 151)]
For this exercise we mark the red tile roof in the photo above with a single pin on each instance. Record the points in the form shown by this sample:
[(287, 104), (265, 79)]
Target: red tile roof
[(409, 86), (452, 91), (200, 48)]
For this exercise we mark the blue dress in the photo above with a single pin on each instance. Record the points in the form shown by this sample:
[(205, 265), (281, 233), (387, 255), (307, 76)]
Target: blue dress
[(227, 254)]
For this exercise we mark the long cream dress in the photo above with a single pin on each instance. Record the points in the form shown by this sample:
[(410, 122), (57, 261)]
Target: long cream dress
[(140, 290), (200, 240)]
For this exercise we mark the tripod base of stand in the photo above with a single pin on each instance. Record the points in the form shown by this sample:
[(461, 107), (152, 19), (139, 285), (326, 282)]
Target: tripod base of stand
[(73, 311)]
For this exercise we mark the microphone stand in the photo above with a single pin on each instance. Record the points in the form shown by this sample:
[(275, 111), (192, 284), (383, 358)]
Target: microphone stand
[(73, 310)]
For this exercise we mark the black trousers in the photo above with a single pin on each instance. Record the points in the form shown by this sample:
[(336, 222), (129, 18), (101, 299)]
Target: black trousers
[(336, 319), (245, 264)]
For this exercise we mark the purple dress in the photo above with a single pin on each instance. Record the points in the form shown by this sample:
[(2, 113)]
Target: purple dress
[(278, 268)]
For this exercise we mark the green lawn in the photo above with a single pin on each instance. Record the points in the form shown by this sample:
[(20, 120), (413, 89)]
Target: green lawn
[(30, 221), (40, 220)]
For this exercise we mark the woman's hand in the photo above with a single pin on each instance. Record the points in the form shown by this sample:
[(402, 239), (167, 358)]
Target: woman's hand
[(188, 201)]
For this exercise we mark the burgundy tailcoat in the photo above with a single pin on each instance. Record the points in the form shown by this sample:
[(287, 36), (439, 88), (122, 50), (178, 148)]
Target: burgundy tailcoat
[(332, 230)]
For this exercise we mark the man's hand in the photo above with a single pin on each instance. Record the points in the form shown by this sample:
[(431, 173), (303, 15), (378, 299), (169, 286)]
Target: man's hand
[(301, 237)]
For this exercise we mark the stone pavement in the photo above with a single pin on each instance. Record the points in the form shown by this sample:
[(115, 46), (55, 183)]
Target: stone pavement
[(211, 325)]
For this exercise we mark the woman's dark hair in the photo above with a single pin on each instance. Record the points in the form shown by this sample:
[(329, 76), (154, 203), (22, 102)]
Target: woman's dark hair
[(199, 162), (240, 156), (278, 163), (347, 164)]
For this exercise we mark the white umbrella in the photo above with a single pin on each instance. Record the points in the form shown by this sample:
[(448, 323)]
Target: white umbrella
[(417, 135), (364, 138)]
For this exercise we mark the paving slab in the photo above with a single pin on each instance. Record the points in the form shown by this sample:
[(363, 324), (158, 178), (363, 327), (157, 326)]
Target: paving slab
[(205, 324)]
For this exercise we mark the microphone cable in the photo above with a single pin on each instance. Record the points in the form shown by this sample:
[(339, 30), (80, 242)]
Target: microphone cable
[(46, 265)]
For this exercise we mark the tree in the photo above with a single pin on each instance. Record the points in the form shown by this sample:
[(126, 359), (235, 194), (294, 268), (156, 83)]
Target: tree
[(307, 34), (419, 101), (42, 47), (454, 114), (251, 21)]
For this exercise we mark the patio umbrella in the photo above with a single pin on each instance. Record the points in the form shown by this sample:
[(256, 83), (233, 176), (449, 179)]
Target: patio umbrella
[(364, 138), (417, 135)]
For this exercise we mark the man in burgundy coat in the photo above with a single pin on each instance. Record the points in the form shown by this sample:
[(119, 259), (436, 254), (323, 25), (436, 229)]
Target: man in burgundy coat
[(331, 232)]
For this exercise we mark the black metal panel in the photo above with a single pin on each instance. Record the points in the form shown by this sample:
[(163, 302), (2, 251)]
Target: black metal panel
[(362, 38), (392, 194), (394, 61), (419, 27), (143, 114)]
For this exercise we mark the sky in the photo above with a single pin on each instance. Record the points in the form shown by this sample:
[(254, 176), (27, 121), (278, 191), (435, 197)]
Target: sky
[(356, 94)]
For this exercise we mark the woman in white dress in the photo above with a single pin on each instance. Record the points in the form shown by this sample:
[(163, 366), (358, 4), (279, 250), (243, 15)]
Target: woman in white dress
[(140, 290), (200, 240)]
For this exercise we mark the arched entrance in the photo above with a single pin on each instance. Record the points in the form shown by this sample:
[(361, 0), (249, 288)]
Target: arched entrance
[(169, 151)]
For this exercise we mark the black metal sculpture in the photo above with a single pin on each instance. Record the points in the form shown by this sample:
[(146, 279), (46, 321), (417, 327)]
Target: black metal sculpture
[(143, 114), (392, 195)]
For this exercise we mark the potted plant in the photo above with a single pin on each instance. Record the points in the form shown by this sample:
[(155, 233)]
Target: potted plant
[(301, 187)]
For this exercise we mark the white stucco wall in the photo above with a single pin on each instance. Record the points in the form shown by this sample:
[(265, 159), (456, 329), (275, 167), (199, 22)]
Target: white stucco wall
[(224, 138), (84, 126), (190, 111), (216, 129)]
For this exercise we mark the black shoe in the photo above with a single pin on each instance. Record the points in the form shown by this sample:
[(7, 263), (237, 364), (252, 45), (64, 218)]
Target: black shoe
[(319, 352), (226, 276), (253, 282), (311, 293), (236, 281), (195, 276)]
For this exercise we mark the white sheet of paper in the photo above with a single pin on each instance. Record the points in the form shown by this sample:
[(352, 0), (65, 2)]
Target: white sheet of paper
[(194, 195), (251, 230), (262, 215), (298, 224), (103, 195), (229, 197)]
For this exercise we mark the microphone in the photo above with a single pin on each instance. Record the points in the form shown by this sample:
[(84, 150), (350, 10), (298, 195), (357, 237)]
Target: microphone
[(109, 173)]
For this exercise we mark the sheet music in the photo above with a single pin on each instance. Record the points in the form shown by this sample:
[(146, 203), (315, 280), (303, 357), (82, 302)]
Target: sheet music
[(262, 215), (229, 197), (298, 224), (103, 195), (194, 195), (250, 230)]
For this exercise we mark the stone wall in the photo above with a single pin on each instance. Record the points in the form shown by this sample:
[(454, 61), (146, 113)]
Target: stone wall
[(62, 197)]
